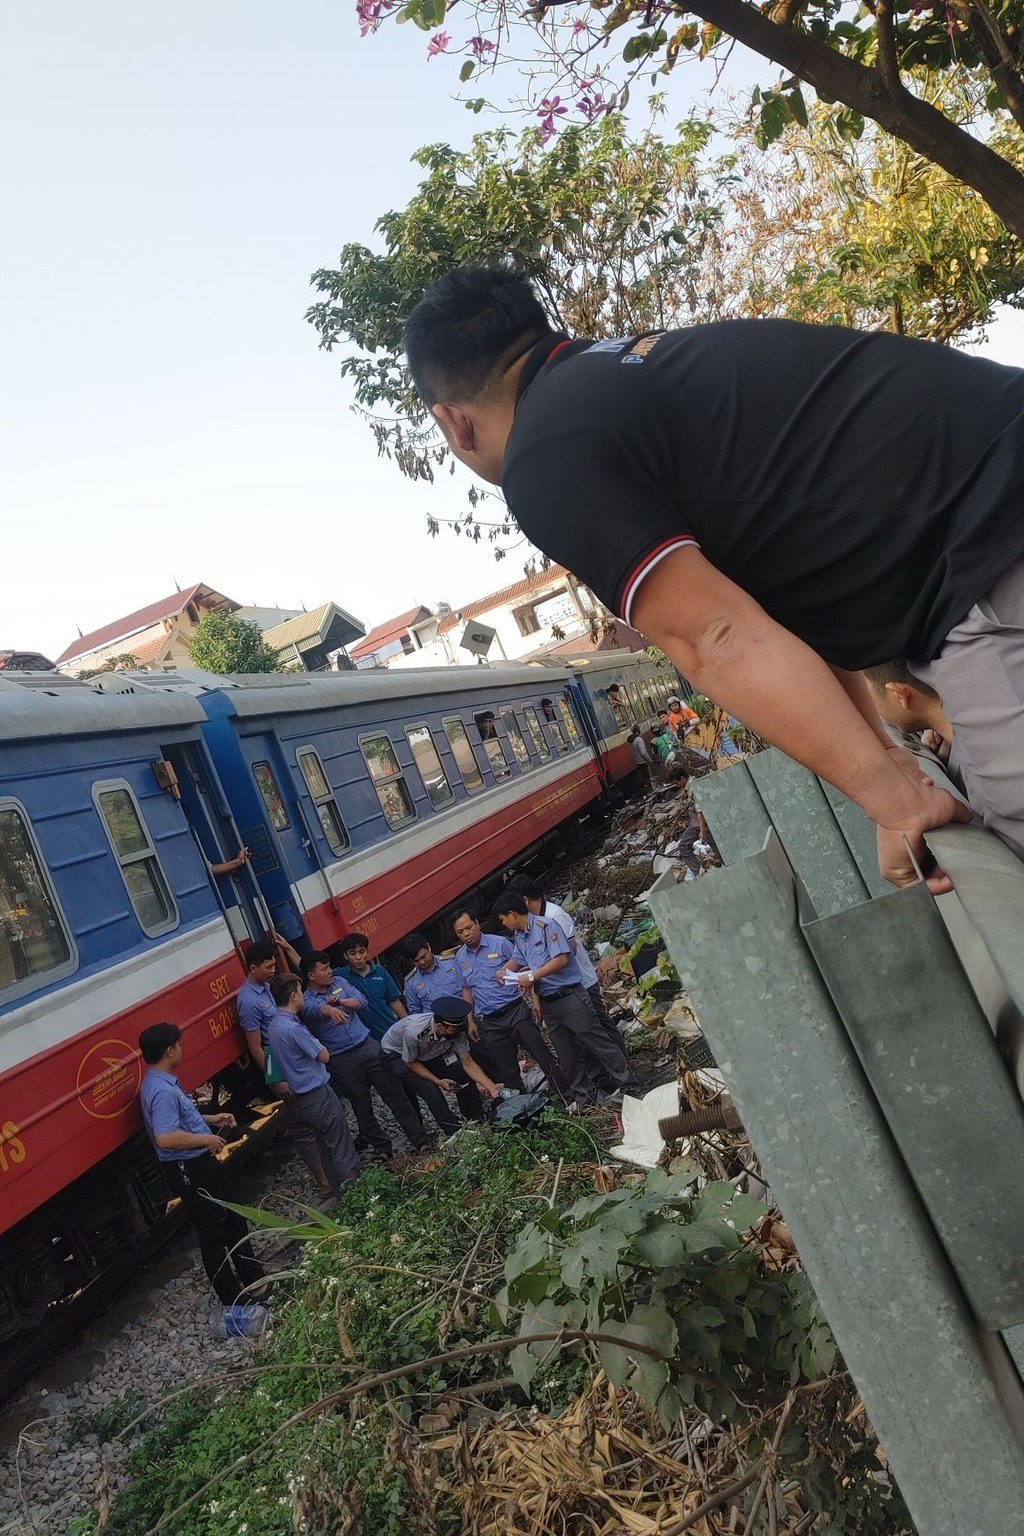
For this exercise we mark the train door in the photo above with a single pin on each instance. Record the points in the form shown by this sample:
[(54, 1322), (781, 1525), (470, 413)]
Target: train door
[(578, 692), (217, 838)]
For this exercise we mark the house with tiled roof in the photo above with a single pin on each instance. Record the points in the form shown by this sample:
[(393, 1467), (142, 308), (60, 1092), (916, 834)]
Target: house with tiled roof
[(541, 612), (156, 636), (395, 637)]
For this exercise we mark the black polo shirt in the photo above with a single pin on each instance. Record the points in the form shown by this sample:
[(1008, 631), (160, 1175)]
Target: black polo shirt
[(866, 489)]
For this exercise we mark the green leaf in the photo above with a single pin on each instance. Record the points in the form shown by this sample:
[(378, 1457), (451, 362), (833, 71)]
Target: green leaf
[(530, 1250), (798, 107), (744, 1212), (614, 1363), (664, 1246), (638, 47), (467, 69), (531, 1286), (319, 1225), (524, 1366)]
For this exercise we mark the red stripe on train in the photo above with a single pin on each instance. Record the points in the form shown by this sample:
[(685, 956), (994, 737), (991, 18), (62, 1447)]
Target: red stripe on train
[(65, 1109)]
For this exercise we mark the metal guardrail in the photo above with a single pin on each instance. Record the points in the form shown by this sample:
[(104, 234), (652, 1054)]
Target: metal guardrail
[(860, 1030)]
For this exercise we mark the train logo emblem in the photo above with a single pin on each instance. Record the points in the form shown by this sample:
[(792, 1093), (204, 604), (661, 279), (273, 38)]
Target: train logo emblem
[(108, 1079)]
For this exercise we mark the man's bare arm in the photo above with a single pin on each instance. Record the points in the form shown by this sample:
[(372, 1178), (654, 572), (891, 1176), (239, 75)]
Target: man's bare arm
[(725, 643)]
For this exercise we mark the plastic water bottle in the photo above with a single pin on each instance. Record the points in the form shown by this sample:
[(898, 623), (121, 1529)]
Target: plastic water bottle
[(246, 1322)]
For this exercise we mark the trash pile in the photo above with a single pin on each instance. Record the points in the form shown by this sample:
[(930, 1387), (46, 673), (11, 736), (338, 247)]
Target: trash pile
[(606, 896)]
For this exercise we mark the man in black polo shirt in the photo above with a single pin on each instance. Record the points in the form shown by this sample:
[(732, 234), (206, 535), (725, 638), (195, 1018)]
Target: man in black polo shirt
[(778, 506)]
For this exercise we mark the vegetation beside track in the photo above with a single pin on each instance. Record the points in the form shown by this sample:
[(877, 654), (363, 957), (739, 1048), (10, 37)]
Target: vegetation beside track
[(389, 1399)]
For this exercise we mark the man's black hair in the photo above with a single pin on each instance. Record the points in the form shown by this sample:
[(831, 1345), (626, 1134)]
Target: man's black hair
[(259, 952), (522, 885), (414, 943), (282, 988), (510, 901), (156, 1041), (313, 958), (897, 671), (354, 941), (464, 912), (468, 329)]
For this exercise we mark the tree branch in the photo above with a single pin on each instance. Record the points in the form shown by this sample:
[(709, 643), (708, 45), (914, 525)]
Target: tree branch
[(998, 56), (861, 87), (888, 62)]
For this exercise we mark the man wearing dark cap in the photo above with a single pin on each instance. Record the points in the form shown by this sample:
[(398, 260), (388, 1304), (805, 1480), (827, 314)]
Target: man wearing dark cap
[(429, 1052)]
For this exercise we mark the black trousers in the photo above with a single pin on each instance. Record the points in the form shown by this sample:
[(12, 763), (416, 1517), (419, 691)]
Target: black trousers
[(353, 1074), (223, 1236), (502, 1033), (466, 1093)]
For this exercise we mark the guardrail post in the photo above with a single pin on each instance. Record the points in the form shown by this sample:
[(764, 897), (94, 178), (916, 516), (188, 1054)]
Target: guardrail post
[(942, 1397)]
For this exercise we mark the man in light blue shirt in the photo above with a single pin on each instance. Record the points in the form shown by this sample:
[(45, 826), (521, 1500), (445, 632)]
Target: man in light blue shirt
[(431, 977), (186, 1144), (544, 963), (355, 1065), (501, 1014), (542, 906), (312, 1105), (254, 1003)]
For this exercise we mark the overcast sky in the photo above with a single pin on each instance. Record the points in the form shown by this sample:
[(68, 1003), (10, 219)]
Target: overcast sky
[(170, 178)]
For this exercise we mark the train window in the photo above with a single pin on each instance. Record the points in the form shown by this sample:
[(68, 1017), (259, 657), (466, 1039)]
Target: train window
[(34, 939), (648, 693), (619, 701), (536, 734), (515, 736), (271, 796), (500, 765), (570, 724), (140, 868), (465, 758), (424, 753), (550, 714), (636, 701), (388, 779), (322, 796)]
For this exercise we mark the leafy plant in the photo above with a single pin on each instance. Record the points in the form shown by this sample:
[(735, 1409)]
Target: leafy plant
[(667, 1267)]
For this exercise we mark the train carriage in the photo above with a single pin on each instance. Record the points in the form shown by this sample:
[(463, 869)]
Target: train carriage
[(373, 801), (615, 691), (109, 921)]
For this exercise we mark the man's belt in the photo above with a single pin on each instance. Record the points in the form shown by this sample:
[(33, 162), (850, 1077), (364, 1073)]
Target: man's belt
[(499, 1013), (552, 997)]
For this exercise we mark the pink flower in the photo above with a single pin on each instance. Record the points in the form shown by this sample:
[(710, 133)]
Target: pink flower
[(480, 46), (438, 43), (591, 103), (549, 109), (370, 13), (578, 27)]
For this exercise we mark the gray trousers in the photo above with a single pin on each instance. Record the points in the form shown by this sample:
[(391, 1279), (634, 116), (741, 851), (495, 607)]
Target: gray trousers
[(979, 676), (318, 1120), (574, 1029)]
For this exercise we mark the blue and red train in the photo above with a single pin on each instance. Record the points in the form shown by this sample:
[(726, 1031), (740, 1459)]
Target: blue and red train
[(369, 800)]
